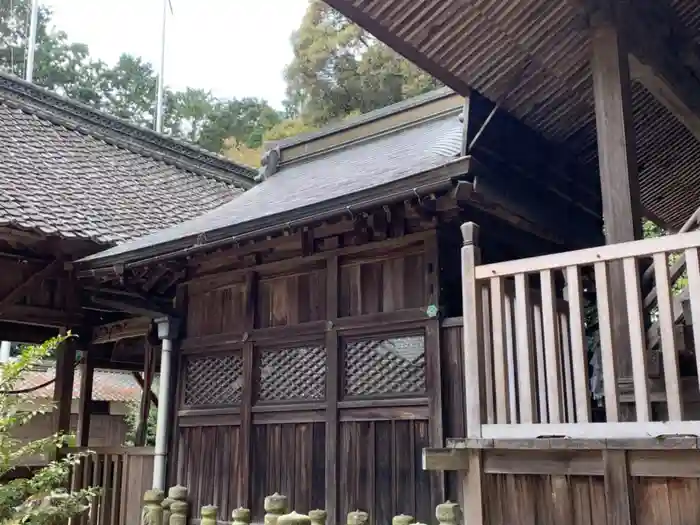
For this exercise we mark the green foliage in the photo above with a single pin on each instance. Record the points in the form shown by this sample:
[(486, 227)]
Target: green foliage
[(339, 69), (132, 420), (41, 498)]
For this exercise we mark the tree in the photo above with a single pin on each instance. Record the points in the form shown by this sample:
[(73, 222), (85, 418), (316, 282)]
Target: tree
[(132, 421), (339, 69), (40, 499)]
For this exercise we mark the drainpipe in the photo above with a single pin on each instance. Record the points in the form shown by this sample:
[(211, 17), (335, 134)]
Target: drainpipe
[(167, 331), (5, 347)]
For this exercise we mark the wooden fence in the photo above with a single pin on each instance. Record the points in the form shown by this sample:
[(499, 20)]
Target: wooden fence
[(122, 474), (526, 364)]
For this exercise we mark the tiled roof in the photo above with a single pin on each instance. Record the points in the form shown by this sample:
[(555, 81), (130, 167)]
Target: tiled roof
[(301, 189), (108, 385), (71, 171)]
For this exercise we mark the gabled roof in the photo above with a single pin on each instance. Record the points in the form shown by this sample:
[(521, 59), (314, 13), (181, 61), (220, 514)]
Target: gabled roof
[(341, 178), (71, 171)]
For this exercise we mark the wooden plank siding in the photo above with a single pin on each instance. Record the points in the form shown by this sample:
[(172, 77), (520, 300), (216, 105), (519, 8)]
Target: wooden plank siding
[(338, 365)]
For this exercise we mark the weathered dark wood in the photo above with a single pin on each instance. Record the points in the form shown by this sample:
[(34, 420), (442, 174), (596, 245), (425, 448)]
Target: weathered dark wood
[(618, 490), (28, 284), (123, 329), (332, 390), (87, 373), (63, 387), (618, 169)]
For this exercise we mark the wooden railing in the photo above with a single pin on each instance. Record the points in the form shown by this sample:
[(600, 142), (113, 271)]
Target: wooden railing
[(526, 362), (123, 474)]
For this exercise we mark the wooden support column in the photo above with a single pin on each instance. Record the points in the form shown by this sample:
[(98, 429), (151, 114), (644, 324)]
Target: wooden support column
[(618, 488), (433, 365), (334, 370), (246, 449), (63, 387), (87, 373), (619, 177)]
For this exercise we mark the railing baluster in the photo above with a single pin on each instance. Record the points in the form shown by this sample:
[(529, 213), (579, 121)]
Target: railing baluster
[(610, 387), (510, 359), (668, 346), (541, 388), (693, 269), (487, 339), (471, 312), (552, 348), (500, 361), (524, 353), (565, 363), (579, 346), (637, 339)]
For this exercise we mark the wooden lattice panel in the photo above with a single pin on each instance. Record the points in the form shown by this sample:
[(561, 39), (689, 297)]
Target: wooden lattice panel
[(292, 374), (384, 366), (214, 380)]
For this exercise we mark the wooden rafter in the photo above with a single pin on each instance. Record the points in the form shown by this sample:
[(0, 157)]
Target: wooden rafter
[(27, 285), (663, 57)]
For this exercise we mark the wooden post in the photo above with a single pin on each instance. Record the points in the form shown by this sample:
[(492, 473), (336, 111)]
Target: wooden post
[(63, 387), (87, 372), (618, 490), (619, 177), (275, 506), (471, 313), (246, 448), (334, 372), (472, 497)]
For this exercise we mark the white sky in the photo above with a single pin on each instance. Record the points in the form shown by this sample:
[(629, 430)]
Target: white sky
[(234, 48)]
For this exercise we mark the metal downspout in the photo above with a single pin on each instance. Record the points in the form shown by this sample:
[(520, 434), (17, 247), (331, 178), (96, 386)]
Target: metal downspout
[(166, 333)]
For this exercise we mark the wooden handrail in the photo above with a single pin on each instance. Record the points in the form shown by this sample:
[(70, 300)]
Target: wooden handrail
[(589, 256)]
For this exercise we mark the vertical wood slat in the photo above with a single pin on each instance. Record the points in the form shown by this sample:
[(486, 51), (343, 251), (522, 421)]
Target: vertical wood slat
[(541, 388), (618, 488), (579, 346), (524, 354), (637, 339), (610, 387), (510, 359), (567, 392), (666, 329), (471, 311), (246, 445), (488, 355), (552, 348), (693, 269), (500, 349)]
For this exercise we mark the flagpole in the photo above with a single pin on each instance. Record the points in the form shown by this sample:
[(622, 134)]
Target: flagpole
[(31, 45), (161, 72)]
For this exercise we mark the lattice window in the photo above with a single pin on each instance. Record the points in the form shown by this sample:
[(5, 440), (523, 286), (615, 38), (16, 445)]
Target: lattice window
[(385, 366), (213, 380), (292, 374)]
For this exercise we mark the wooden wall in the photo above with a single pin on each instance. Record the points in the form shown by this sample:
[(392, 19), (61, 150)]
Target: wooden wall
[(318, 378)]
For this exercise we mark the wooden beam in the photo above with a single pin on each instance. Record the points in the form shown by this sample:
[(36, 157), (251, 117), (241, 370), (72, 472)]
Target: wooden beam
[(25, 333), (27, 285), (41, 316), (618, 169), (664, 57), (122, 329), (87, 373)]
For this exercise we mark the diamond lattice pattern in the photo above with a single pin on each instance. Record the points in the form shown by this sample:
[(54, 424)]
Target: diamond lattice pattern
[(214, 380), (295, 373)]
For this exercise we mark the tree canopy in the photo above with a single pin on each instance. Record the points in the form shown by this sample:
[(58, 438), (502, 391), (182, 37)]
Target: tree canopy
[(337, 70)]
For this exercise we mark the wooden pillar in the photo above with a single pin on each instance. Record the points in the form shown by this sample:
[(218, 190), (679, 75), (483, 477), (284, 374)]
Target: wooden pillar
[(246, 448), (87, 372), (618, 488), (334, 370), (619, 177), (63, 387)]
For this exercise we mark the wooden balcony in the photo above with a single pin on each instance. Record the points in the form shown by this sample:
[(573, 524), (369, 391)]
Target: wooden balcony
[(526, 342)]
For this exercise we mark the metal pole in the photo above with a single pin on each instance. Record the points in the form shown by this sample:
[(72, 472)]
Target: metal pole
[(161, 449), (5, 348), (161, 72), (31, 45)]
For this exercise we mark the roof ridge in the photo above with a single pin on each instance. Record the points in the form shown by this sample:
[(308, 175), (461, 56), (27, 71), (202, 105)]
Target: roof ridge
[(365, 118), (75, 115)]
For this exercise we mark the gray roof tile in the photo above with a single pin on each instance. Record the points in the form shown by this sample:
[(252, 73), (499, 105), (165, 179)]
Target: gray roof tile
[(352, 169), (71, 171)]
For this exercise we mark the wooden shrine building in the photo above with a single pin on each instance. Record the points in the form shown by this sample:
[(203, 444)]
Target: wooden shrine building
[(74, 181), (318, 348)]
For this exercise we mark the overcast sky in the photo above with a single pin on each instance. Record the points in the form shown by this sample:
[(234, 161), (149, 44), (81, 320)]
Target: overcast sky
[(234, 48)]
